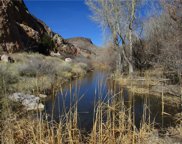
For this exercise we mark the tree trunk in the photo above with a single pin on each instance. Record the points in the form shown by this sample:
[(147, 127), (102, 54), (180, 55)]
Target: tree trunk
[(130, 62), (119, 67), (130, 68)]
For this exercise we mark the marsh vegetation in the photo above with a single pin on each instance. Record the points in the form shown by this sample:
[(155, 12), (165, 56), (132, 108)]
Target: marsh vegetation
[(129, 91), (93, 109)]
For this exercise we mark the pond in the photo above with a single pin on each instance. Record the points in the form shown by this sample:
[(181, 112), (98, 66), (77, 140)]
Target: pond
[(86, 91)]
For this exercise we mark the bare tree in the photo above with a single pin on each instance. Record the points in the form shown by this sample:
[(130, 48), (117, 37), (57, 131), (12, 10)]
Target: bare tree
[(163, 35), (117, 16)]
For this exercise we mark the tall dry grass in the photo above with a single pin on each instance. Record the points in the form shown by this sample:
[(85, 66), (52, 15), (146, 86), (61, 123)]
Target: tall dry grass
[(112, 123)]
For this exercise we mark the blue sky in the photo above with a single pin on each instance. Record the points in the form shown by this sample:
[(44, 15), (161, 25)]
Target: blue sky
[(69, 18)]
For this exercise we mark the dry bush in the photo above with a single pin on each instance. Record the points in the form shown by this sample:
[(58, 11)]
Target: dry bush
[(164, 35), (105, 57), (36, 67)]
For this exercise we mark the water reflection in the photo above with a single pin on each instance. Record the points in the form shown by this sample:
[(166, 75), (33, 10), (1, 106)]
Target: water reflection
[(86, 91)]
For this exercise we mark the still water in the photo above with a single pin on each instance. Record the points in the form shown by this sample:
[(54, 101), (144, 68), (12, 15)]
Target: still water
[(86, 91)]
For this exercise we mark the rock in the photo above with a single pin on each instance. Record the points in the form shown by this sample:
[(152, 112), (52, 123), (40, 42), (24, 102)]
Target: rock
[(11, 60), (41, 106), (57, 39), (4, 58), (55, 54), (173, 90), (35, 35), (68, 60), (42, 95), (30, 102)]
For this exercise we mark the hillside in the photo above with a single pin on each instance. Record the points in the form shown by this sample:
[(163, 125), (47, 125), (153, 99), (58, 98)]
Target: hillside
[(21, 31)]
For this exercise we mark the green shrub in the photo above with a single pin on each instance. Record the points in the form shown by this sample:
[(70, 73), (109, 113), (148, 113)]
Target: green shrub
[(46, 44)]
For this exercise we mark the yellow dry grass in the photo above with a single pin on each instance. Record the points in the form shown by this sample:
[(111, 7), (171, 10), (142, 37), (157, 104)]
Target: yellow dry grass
[(113, 124)]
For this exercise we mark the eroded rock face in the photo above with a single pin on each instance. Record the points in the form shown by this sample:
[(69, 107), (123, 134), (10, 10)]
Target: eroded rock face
[(20, 31), (30, 32)]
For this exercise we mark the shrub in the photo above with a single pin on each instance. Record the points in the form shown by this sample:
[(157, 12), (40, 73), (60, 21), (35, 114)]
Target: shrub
[(65, 67), (36, 67), (83, 66), (45, 45), (27, 70)]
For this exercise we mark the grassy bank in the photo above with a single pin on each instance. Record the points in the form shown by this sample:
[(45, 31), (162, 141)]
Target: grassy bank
[(145, 83), (113, 122), (36, 73)]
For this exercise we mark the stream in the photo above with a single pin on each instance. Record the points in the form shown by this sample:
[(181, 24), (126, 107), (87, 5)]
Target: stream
[(95, 85)]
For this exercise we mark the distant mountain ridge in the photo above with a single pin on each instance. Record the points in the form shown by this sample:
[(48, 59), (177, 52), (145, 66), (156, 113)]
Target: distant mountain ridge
[(84, 44)]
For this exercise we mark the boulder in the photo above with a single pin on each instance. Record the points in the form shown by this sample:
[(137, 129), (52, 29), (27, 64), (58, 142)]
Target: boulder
[(41, 106), (42, 95), (30, 102), (55, 54), (57, 39), (6, 58), (68, 60)]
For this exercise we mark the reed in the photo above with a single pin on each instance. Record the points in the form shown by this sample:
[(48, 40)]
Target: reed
[(113, 121)]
